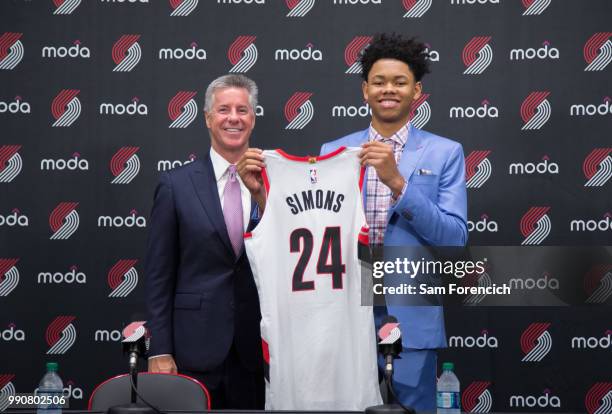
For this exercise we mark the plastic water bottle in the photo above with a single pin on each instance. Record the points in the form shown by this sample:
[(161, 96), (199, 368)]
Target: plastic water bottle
[(448, 400), (51, 389)]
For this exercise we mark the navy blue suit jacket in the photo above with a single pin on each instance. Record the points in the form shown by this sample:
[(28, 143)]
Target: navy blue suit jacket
[(200, 296)]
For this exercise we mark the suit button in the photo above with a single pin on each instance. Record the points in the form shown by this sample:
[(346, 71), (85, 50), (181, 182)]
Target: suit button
[(406, 214)]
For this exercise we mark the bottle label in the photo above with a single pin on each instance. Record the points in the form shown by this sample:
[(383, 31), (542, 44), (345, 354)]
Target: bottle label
[(447, 399)]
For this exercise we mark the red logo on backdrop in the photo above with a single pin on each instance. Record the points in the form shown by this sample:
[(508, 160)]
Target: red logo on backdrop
[(183, 7), (6, 389), (10, 163), (535, 225), (477, 398), (242, 54), (299, 110), (65, 6), (353, 51), (299, 8), (598, 283), (535, 110), (122, 278), (420, 112), (11, 50), (66, 107), (597, 167), (477, 55), (125, 165), (598, 399), (536, 342), (9, 276), (126, 53), (477, 168), (535, 7), (60, 335), (64, 220), (598, 51), (182, 109), (416, 8)]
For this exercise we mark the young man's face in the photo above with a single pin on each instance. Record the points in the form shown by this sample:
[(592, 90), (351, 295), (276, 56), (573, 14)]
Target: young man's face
[(390, 91)]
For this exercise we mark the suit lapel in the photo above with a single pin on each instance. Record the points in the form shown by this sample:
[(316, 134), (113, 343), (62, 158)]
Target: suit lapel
[(413, 150)]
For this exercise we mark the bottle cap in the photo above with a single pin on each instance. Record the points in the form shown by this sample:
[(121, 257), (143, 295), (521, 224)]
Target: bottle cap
[(448, 366), (52, 366)]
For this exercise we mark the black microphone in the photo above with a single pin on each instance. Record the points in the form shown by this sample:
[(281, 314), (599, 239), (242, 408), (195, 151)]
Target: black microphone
[(136, 342), (390, 342)]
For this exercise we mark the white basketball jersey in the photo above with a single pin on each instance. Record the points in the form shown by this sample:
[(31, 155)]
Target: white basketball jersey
[(318, 340)]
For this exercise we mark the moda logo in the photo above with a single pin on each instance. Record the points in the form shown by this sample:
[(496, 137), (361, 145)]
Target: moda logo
[(133, 220), (72, 164), (482, 341), (471, 2), (182, 109), (74, 51), (105, 335), (535, 110), (352, 52), (308, 53), (581, 110), (536, 342), (122, 278), (535, 7), (483, 225), (66, 107), (598, 399), (592, 342), (193, 52), (182, 7), (299, 8), (15, 107), (546, 282), (592, 225), (134, 108), (545, 400), (597, 51), (65, 6), (543, 167), (61, 335), (70, 277), (299, 110), (420, 112), (477, 55), (354, 2), (125, 165), (485, 110), (124, 1), (598, 283), (241, 1), (535, 225), (64, 220), (12, 334), (10, 163), (14, 219), (544, 52), (9, 276), (432, 55), (242, 54), (597, 167), (11, 50), (6, 389), (478, 280), (73, 392), (126, 53), (415, 8), (477, 168), (166, 165), (340, 111), (477, 398)]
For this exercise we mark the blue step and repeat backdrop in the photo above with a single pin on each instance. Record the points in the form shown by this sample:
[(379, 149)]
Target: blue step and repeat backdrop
[(98, 96)]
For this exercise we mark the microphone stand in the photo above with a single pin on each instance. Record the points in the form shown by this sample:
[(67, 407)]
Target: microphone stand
[(386, 408), (133, 407)]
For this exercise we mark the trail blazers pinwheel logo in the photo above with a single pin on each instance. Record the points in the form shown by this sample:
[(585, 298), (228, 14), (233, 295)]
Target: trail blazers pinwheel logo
[(535, 110), (299, 8), (125, 165), (536, 342), (66, 107), (477, 55), (598, 399), (183, 7), (11, 50), (416, 8), (64, 220), (420, 113), (598, 51), (242, 54), (6, 389), (182, 109), (9, 276), (535, 7), (353, 51), (477, 168), (126, 53), (10, 163), (65, 6), (477, 398), (60, 335), (299, 110), (475, 279), (597, 167), (122, 278), (535, 225), (598, 283)]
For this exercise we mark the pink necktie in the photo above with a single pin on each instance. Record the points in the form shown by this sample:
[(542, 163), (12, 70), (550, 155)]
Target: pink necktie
[(232, 210)]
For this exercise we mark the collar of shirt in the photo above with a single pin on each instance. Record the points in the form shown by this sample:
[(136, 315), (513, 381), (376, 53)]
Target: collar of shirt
[(399, 137), (220, 166)]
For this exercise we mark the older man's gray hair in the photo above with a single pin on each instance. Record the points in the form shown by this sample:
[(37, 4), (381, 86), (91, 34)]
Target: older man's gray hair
[(231, 81)]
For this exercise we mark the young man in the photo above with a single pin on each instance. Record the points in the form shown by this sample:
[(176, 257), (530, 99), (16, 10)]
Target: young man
[(415, 194)]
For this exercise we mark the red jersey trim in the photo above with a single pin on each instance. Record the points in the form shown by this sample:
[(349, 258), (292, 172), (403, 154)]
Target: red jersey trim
[(361, 177), (364, 237), (248, 235), (265, 350), (307, 159), (266, 182)]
